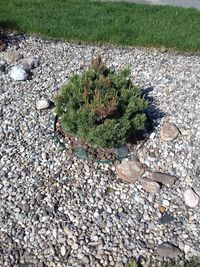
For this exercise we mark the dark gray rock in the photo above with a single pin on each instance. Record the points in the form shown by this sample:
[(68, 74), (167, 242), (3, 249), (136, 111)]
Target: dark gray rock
[(2, 68), (166, 218)]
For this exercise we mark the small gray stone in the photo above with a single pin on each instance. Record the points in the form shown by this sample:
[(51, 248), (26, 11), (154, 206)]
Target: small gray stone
[(129, 171), (121, 151), (169, 131), (168, 250), (163, 178), (43, 104), (2, 68), (191, 198), (18, 73), (29, 63), (149, 185), (80, 152), (166, 218)]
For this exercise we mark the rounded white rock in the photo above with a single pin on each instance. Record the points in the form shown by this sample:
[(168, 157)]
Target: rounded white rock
[(191, 198), (43, 104), (18, 73)]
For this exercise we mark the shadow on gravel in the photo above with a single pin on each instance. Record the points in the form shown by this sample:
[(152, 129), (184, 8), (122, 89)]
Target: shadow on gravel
[(153, 113), (153, 117), (6, 27)]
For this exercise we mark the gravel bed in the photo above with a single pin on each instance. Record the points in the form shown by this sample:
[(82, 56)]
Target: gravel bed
[(57, 210)]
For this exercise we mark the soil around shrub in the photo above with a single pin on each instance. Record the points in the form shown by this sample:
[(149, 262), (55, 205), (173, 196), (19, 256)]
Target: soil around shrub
[(82, 150)]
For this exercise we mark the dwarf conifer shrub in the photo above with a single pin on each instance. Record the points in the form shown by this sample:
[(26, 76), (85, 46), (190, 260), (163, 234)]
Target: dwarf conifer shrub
[(101, 107)]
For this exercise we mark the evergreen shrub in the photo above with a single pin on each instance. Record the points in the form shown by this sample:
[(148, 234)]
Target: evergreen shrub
[(101, 107)]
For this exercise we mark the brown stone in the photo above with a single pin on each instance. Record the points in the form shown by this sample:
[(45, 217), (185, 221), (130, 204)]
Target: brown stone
[(149, 185), (129, 171), (168, 131), (163, 178), (12, 57)]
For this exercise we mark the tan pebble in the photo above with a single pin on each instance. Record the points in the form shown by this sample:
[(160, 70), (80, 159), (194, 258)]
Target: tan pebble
[(162, 209)]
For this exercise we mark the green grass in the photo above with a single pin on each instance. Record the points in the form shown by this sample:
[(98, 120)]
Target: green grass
[(105, 22)]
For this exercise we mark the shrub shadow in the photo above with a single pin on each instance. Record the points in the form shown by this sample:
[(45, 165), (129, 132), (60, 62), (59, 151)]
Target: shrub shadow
[(153, 114)]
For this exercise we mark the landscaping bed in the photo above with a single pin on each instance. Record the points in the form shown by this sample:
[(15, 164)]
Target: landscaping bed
[(59, 210)]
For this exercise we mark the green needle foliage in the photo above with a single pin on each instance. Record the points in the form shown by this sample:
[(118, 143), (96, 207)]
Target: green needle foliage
[(101, 107)]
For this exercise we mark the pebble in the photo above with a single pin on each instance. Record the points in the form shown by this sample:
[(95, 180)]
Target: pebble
[(162, 209), (75, 246), (94, 238), (165, 203), (63, 250)]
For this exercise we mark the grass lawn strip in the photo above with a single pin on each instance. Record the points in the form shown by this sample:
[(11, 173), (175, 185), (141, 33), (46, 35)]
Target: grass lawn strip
[(105, 22)]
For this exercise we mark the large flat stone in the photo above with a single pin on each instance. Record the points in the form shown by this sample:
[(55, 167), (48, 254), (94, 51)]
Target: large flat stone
[(129, 171)]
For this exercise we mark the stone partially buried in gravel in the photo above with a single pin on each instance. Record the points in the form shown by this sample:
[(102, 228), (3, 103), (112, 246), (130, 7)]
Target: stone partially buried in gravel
[(168, 131), (43, 104), (168, 250), (191, 198), (129, 171), (163, 178), (18, 73), (149, 185), (29, 63)]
